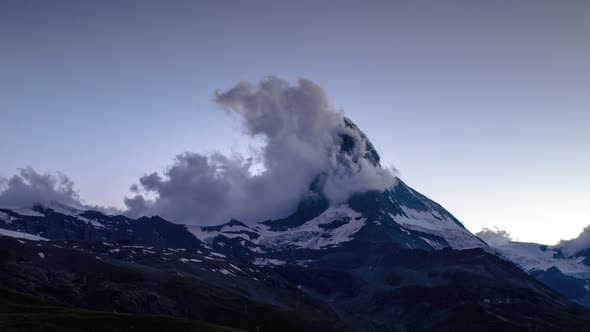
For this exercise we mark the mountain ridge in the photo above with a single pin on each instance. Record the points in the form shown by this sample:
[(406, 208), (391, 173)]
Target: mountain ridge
[(569, 274), (385, 259), (359, 281)]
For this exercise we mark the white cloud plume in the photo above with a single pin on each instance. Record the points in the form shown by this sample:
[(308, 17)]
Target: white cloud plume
[(309, 148)]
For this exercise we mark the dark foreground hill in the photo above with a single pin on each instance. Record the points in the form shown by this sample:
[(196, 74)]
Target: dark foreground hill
[(413, 290), (21, 312)]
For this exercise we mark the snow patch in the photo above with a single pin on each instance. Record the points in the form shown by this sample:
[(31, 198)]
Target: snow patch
[(20, 235), (433, 244), (93, 222), (313, 236), (233, 231), (531, 257), (435, 223), (28, 212), (5, 217), (267, 261)]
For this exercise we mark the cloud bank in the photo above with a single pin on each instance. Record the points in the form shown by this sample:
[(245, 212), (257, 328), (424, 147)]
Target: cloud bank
[(29, 187), (309, 149)]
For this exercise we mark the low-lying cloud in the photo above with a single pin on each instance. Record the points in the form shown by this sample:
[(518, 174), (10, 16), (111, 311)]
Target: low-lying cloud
[(303, 138), (29, 187)]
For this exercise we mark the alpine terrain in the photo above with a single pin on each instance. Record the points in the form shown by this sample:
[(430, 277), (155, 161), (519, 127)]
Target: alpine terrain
[(381, 260), (564, 267)]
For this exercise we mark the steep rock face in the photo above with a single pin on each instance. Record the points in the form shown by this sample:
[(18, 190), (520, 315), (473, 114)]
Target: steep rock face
[(349, 142)]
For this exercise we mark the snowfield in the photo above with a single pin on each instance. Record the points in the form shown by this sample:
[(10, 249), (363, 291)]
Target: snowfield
[(531, 256), (20, 235)]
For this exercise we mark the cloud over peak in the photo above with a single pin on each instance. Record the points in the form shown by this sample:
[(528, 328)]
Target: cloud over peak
[(309, 149), (305, 141)]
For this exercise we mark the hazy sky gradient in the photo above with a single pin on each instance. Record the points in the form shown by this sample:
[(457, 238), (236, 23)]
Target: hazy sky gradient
[(484, 106)]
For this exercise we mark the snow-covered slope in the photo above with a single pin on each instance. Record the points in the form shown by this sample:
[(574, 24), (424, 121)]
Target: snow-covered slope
[(398, 216), (21, 235), (567, 274), (534, 256), (337, 224)]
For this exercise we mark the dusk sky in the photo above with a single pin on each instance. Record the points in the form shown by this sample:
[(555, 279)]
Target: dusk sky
[(483, 106)]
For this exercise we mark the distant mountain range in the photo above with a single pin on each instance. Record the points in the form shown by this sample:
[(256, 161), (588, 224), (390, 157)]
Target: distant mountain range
[(389, 260), (568, 273)]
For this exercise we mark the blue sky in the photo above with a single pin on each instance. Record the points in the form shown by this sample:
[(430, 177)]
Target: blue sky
[(482, 105)]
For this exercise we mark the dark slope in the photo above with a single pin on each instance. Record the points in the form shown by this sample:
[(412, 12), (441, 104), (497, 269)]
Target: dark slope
[(370, 283), (21, 312), (448, 290), (97, 278)]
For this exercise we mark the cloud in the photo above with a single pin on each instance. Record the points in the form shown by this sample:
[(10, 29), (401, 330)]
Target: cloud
[(576, 245), (494, 237), (306, 141), (29, 187)]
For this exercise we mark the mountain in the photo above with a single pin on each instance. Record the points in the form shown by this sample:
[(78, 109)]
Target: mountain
[(381, 260), (392, 260), (145, 266), (355, 284), (57, 221), (569, 274), (398, 216)]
